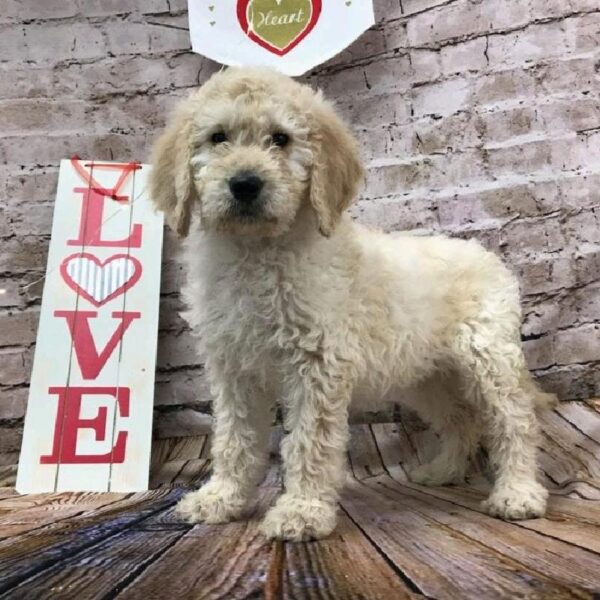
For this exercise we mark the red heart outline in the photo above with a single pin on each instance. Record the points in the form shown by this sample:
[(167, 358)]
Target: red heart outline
[(242, 9), (137, 273)]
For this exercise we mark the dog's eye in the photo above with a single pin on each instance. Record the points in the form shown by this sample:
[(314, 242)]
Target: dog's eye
[(219, 137), (280, 139)]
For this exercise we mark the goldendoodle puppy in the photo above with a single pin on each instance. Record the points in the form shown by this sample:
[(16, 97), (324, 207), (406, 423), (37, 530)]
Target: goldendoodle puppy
[(293, 302)]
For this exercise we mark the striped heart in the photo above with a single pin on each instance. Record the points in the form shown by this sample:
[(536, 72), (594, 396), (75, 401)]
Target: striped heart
[(100, 281)]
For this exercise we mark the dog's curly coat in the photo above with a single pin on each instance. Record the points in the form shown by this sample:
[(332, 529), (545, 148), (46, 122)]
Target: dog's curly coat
[(293, 301)]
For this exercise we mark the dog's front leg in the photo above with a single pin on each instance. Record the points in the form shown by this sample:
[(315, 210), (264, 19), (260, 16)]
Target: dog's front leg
[(239, 452), (314, 454)]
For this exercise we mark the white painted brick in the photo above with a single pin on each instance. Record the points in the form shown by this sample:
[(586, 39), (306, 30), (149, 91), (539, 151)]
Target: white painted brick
[(545, 274), (103, 8), (177, 350), (396, 36), (577, 345), (10, 293), (13, 402), (19, 328), (426, 65), (453, 21), (502, 86), (388, 9), (533, 238), (443, 98), (565, 74), (473, 120), (181, 423), (48, 43), (14, 368), (28, 253), (534, 43), (469, 56), (144, 38), (453, 133), (189, 386), (370, 43), (395, 214), (583, 33), (411, 7), (375, 111), (26, 10), (539, 353)]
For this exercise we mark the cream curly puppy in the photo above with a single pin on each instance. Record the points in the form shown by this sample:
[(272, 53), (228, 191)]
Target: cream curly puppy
[(293, 302)]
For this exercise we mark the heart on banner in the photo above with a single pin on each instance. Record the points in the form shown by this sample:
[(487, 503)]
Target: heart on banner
[(100, 281), (278, 25), (291, 36)]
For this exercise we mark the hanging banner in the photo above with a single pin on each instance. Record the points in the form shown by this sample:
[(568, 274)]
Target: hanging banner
[(292, 36), (89, 417)]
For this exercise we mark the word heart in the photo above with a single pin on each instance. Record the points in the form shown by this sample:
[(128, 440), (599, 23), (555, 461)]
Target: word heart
[(278, 25)]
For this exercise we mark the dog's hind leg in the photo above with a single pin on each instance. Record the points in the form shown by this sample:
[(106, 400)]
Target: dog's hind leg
[(493, 364), (440, 403)]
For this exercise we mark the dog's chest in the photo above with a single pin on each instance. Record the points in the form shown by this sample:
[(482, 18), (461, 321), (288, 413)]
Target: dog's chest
[(251, 313)]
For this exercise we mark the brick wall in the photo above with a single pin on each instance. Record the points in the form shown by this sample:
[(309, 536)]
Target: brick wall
[(476, 118)]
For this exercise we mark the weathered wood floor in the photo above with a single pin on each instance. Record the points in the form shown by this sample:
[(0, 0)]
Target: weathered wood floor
[(395, 539)]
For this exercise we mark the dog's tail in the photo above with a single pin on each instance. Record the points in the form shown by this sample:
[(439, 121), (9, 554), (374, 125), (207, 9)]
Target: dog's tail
[(541, 400)]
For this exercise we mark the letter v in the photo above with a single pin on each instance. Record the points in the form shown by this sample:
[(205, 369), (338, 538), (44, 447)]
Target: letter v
[(90, 361)]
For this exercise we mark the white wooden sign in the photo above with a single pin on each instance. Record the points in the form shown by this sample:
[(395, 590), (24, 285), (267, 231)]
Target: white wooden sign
[(289, 35), (89, 418)]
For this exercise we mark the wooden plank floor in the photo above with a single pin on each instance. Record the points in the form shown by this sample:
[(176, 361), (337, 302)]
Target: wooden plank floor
[(394, 540)]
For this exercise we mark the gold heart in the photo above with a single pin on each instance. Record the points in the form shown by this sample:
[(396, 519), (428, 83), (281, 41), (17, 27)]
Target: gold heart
[(211, 7), (212, 23), (279, 22)]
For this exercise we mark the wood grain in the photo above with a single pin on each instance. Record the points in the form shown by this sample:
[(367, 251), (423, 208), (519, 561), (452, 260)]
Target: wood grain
[(440, 562), (24, 556), (541, 555), (108, 566), (363, 453), (342, 567), (25, 513), (395, 539), (212, 562)]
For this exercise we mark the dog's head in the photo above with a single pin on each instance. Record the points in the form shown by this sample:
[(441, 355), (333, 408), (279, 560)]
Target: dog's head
[(247, 151)]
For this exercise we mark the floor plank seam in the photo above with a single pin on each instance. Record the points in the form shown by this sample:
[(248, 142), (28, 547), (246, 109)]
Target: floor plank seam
[(563, 450), (274, 580), (412, 586), (49, 526), (379, 452), (504, 558), (137, 573), (514, 523), (581, 431), (49, 563)]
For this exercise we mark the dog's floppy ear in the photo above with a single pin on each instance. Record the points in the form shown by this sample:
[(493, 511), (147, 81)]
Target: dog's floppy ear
[(337, 171), (171, 181)]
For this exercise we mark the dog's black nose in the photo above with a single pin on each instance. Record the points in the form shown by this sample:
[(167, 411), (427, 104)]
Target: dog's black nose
[(245, 186)]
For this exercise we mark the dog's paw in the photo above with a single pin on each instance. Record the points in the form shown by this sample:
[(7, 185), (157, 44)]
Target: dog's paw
[(436, 473), (514, 502), (299, 519), (213, 503)]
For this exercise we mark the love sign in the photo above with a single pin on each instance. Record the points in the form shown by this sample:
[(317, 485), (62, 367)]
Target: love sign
[(289, 35), (89, 418)]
